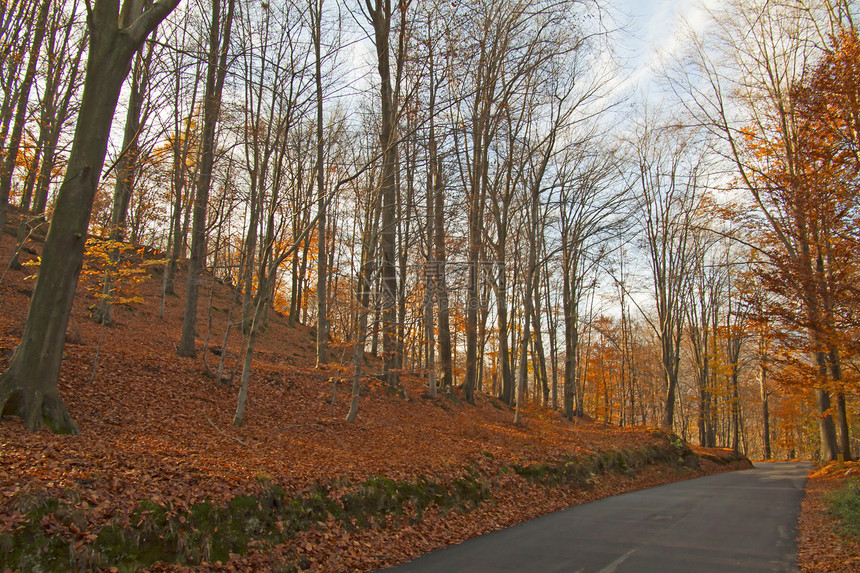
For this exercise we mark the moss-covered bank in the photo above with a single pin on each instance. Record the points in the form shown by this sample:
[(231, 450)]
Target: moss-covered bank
[(54, 535)]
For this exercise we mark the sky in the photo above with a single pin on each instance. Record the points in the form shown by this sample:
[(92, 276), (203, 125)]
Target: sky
[(653, 33)]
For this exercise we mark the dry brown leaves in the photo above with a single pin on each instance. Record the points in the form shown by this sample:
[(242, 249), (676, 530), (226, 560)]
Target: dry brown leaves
[(153, 426), (820, 548)]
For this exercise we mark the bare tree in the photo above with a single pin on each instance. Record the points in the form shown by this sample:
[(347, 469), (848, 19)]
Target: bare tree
[(316, 15), (707, 289), (381, 15), (216, 73), (10, 153), (183, 139), (28, 388), (65, 46), (126, 171), (670, 184), (590, 206)]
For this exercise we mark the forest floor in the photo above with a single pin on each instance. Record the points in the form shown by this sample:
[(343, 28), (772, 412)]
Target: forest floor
[(822, 546), (158, 451)]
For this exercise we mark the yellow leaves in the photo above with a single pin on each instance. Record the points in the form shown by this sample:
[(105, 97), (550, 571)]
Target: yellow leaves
[(33, 263), (120, 263)]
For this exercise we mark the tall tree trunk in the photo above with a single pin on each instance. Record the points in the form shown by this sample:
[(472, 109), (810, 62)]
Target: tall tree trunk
[(827, 430), (322, 271), (432, 291), (219, 44), (826, 427), (368, 248), (248, 354), (249, 251), (540, 366), (522, 373), (670, 382), (405, 208), (735, 410), (180, 148), (844, 431), (571, 341), (28, 388), (528, 296), (472, 301), (502, 321), (552, 324), (835, 362), (440, 253), (765, 411), (294, 290), (380, 14)]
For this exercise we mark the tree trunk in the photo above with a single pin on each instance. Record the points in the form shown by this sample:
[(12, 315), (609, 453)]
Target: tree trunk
[(368, 247), (322, 319), (431, 278), (440, 252), (571, 343), (380, 16), (835, 362), (540, 367), (28, 388), (361, 334), (180, 148), (735, 409), (248, 356), (553, 349), (528, 295), (249, 256), (11, 154), (765, 412), (523, 366), (844, 432), (826, 428), (670, 383), (219, 43), (502, 321), (126, 166)]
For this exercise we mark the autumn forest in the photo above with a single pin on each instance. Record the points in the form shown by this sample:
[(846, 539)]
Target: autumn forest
[(472, 193)]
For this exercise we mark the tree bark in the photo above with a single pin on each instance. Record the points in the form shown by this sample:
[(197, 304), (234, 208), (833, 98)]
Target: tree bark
[(835, 363), (126, 166), (28, 388), (219, 43), (10, 157), (380, 15), (440, 269), (826, 428), (765, 412), (322, 277)]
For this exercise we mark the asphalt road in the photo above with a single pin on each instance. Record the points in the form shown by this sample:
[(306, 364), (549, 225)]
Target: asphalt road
[(733, 522)]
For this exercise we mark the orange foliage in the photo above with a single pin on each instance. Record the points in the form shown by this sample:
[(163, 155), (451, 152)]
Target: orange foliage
[(807, 177)]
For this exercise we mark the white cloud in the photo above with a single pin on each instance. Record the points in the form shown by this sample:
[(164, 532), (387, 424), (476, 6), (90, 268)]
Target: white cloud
[(657, 33)]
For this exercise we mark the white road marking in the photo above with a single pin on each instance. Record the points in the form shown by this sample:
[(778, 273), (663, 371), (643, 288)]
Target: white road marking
[(614, 565)]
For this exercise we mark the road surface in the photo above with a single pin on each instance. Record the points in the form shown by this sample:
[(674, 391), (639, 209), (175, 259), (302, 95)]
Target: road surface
[(733, 522)]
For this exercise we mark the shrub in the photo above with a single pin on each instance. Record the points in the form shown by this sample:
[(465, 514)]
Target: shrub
[(844, 504)]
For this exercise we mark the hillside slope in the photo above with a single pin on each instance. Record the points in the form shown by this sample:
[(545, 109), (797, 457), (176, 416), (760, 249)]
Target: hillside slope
[(156, 430)]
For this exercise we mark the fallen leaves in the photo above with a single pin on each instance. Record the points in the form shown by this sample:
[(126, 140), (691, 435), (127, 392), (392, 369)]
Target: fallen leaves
[(154, 427), (820, 548)]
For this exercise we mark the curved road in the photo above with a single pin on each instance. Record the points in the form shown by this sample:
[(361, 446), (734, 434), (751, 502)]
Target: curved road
[(732, 522)]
